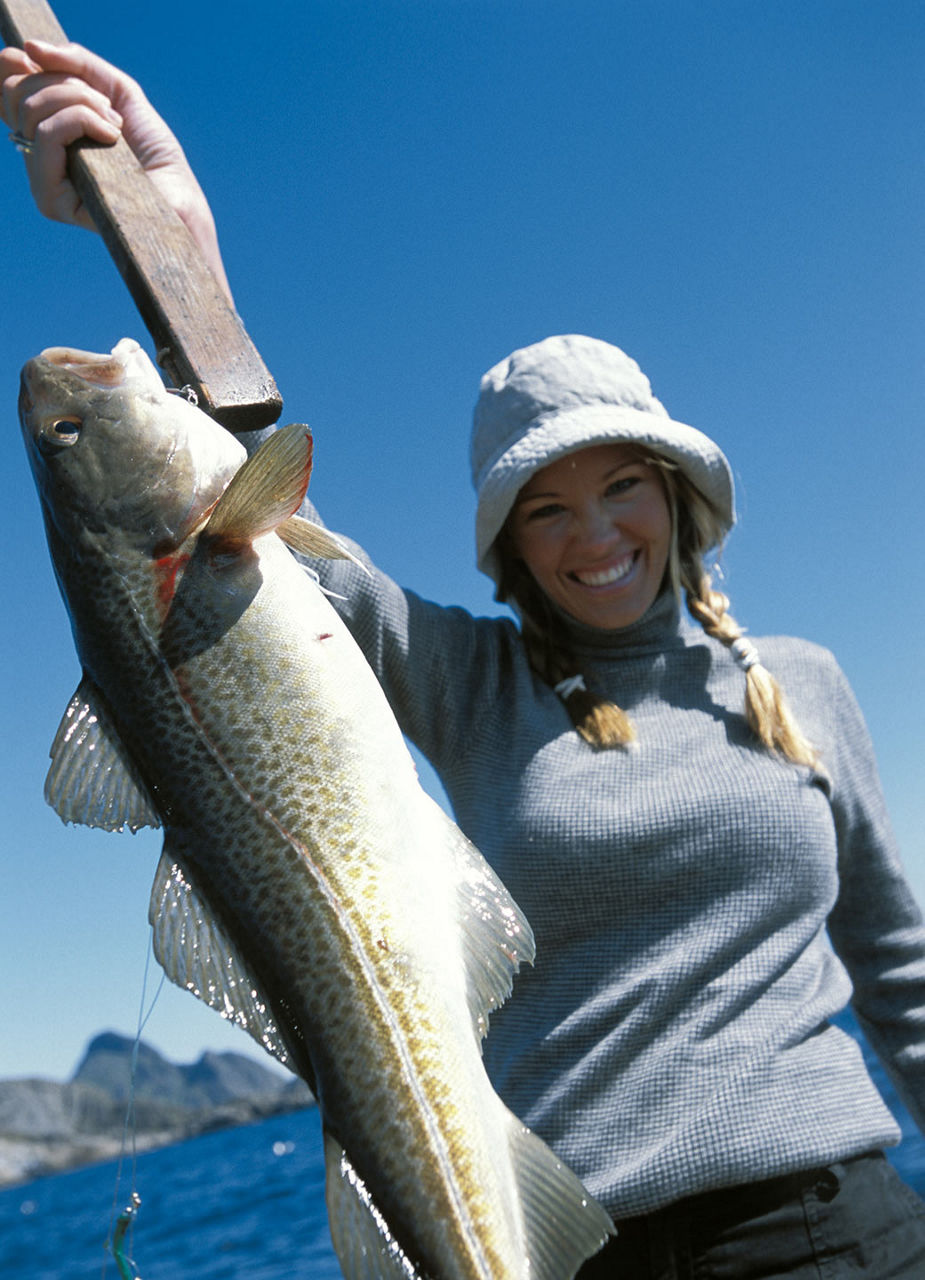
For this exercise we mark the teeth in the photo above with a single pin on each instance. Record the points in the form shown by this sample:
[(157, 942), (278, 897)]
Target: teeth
[(605, 576)]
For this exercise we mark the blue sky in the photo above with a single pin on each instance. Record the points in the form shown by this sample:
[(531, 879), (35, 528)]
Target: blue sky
[(409, 189)]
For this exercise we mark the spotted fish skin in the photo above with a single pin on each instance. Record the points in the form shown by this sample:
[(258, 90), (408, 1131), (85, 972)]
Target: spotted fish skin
[(309, 889)]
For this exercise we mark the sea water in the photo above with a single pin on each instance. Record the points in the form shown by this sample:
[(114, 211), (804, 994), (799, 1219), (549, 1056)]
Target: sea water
[(240, 1204), (243, 1203)]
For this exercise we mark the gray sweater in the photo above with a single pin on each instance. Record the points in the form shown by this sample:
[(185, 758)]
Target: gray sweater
[(674, 1034)]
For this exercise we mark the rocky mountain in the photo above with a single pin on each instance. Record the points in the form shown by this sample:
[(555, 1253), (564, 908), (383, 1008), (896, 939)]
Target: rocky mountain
[(47, 1126), (214, 1079)]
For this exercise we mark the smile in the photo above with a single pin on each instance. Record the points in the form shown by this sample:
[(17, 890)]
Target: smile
[(604, 577)]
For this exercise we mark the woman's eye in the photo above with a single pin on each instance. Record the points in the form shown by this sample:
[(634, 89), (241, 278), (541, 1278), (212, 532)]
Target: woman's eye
[(623, 485), (543, 513)]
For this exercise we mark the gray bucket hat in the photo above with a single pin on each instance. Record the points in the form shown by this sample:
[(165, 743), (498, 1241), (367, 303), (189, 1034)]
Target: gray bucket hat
[(561, 395)]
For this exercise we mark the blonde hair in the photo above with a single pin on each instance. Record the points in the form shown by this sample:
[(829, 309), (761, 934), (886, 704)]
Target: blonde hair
[(695, 529)]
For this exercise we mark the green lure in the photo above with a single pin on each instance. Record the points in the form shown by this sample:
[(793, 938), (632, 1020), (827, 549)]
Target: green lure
[(125, 1219)]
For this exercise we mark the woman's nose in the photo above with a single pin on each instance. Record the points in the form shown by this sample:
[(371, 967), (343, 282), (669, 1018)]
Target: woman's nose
[(597, 525)]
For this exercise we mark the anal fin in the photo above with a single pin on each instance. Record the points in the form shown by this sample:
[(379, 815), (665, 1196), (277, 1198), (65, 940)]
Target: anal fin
[(495, 934), (565, 1225)]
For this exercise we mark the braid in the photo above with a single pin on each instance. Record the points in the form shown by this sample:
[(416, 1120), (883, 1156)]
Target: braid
[(766, 710)]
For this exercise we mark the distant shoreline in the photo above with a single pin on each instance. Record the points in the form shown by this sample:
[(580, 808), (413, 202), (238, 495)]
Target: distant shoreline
[(49, 1127), (24, 1159)]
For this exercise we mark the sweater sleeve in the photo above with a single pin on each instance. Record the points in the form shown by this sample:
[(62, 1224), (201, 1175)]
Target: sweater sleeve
[(876, 925), (440, 667)]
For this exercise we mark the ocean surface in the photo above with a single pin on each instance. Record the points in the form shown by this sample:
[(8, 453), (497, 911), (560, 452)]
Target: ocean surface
[(241, 1204), (245, 1202)]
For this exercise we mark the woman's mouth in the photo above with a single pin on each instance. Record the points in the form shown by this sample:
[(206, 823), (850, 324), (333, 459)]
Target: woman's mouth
[(615, 572)]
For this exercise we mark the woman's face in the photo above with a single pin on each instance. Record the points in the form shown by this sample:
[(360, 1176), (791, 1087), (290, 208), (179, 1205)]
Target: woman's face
[(594, 529)]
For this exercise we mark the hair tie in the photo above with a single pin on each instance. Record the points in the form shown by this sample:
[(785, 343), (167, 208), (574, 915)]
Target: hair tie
[(572, 684), (745, 653)]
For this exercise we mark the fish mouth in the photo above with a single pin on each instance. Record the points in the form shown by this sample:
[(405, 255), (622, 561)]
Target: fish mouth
[(100, 370)]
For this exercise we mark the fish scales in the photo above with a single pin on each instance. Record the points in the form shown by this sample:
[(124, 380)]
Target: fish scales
[(196, 779), (381, 924), (308, 886), (371, 938)]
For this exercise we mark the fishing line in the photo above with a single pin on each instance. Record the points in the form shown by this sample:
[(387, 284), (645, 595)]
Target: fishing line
[(123, 1223)]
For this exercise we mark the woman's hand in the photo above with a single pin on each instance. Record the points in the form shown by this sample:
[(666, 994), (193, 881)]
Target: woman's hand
[(52, 95)]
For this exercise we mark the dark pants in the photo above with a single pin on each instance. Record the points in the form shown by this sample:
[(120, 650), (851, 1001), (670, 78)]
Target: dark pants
[(853, 1219)]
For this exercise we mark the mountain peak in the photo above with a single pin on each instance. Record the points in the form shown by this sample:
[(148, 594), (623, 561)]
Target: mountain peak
[(214, 1079)]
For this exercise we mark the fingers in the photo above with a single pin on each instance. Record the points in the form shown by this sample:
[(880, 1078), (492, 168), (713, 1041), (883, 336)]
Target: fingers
[(80, 63), (16, 62), (35, 100), (47, 97), (70, 76), (55, 94), (47, 164), (74, 75), (15, 66)]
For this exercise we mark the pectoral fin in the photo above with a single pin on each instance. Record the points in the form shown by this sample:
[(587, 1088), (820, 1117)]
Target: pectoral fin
[(314, 540), (92, 779), (266, 491)]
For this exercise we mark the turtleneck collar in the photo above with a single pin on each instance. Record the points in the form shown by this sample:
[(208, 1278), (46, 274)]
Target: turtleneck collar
[(660, 627)]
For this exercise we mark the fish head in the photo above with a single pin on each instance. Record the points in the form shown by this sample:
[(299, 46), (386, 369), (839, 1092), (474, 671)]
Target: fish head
[(115, 454)]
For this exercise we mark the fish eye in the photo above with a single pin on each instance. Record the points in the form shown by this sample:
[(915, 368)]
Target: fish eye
[(61, 433)]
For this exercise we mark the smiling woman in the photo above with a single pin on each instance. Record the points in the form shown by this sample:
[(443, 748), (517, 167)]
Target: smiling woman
[(576, 530), (594, 530)]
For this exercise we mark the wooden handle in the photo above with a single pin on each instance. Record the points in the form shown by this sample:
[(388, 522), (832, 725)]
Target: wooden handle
[(199, 338), (22, 20)]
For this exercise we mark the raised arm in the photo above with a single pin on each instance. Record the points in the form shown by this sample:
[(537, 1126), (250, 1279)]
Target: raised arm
[(52, 95)]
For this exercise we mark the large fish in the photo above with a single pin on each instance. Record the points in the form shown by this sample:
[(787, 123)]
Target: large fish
[(308, 888)]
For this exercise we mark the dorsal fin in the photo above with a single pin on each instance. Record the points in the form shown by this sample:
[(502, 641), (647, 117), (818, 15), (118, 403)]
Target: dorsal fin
[(196, 953), (365, 1247), (92, 779), (266, 491)]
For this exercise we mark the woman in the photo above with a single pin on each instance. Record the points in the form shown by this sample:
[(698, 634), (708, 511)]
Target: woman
[(680, 834)]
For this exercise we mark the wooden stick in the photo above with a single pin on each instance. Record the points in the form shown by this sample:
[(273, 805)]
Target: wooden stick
[(199, 338)]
